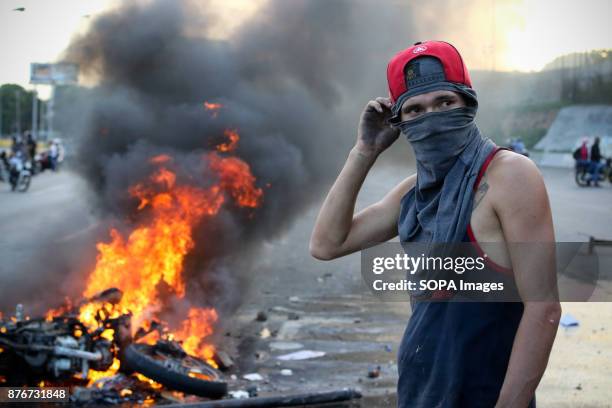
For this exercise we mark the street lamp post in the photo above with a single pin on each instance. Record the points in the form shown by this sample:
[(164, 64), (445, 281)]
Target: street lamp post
[(51, 113), (1, 112), (18, 112), (35, 114)]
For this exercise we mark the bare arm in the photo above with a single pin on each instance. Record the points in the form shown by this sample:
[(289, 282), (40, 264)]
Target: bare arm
[(520, 200), (337, 230)]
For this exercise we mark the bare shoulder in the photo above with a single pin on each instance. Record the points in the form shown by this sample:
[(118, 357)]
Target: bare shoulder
[(511, 168), (515, 180)]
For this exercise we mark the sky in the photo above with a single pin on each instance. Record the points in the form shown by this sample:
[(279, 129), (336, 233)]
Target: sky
[(535, 32), (43, 31), (504, 35)]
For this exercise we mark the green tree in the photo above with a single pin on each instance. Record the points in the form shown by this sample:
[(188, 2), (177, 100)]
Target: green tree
[(10, 95)]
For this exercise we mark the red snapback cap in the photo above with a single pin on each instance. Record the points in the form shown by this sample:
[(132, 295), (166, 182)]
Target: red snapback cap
[(455, 71)]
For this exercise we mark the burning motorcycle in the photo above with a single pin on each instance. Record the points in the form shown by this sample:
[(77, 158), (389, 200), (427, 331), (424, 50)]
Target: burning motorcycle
[(57, 349), (63, 350)]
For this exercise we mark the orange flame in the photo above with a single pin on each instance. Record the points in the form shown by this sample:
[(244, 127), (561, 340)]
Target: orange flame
[(213, 107), (198, 325), (151, 256), (229, 146), (160, 159)]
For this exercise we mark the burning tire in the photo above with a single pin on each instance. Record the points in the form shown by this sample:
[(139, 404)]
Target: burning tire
[(178, 372)]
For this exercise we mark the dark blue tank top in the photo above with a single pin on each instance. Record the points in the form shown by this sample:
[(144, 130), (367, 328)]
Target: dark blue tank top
[(455, 354)]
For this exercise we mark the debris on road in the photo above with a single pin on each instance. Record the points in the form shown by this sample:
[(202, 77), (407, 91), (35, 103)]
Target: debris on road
[(567, 320), (253, 377), (239, 394), (286, 372), (301, 355), (265, 333), (278, 401), (285, 345), (223, 360), (252, 390), (374, 372)]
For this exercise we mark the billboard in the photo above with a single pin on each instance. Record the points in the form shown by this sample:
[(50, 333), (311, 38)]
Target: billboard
[(54, 74)]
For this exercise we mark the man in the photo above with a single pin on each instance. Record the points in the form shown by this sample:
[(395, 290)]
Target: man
[(581, 154), (596, 164), (31, 145), (453, 354), (53, 155)]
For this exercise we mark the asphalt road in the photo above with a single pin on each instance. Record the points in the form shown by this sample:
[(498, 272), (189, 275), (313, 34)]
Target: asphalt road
[(318, 305)]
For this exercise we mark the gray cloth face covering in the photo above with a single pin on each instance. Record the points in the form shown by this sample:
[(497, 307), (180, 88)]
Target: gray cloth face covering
[(449, 151)]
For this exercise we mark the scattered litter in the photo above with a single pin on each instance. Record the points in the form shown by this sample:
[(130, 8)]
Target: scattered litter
[(233, 377), (285, 345), (282, 310), (567, 320), (294, 299), (265, 333), (240, 394), (320, 280), (293, 316), (261, 316), (261, 355), (253, 377), (388, 348), (286, 371), (223, 360), (357, 321), (579, 387), (374, 372), (252, 390), (301, 355)]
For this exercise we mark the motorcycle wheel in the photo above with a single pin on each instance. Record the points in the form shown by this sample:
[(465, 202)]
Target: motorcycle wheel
[(24, 183), (581, 177), (188, 374)]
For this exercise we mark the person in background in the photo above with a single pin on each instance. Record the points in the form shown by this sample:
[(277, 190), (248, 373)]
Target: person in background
[(581, 154), (53, 155), (596, 165), (17, 145), (31, 146), (16, 163), (4, 166)]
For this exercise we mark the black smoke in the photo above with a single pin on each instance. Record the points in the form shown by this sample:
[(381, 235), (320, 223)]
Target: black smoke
[(292, 80)]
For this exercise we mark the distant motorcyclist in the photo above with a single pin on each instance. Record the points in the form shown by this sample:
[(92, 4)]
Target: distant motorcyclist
[(4, 166), (581, 154), (596, 165), (16, 163)]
